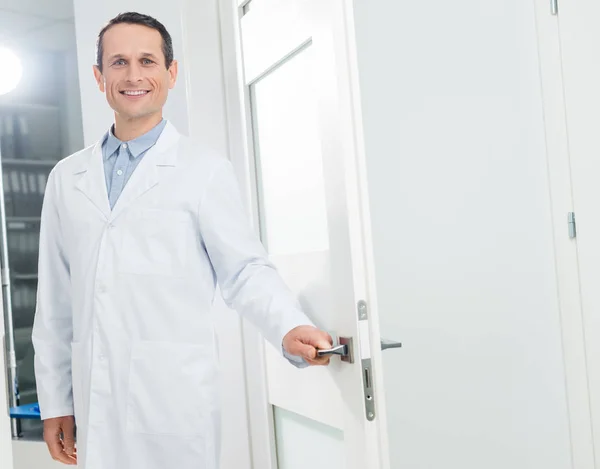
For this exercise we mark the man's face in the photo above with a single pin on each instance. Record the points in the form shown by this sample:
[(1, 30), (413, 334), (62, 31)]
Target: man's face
[(134, 75)]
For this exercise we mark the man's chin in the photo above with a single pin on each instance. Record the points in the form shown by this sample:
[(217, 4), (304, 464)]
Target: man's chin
[(130, 115)]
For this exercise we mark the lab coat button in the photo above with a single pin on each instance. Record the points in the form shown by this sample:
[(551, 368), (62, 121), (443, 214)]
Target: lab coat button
[(102, 289)]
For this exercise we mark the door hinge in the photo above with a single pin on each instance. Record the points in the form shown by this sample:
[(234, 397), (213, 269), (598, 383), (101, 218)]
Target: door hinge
[(554, 7), (572, 225)]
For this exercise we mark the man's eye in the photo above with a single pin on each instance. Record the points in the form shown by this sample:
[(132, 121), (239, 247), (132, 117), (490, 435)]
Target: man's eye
[(119, 62), (147, 61)]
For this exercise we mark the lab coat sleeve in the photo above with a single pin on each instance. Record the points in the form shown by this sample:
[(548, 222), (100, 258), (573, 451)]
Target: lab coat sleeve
[(249, 282), (52, 329)]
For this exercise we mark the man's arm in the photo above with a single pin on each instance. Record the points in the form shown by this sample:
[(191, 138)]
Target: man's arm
[(52, 334), (249, 282), (52, 327)]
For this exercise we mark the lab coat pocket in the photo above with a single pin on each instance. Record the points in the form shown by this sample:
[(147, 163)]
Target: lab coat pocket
[(155, 242), (171, 389)]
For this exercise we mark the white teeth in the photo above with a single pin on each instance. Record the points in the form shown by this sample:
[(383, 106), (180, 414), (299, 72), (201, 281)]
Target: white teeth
[(134, 93)]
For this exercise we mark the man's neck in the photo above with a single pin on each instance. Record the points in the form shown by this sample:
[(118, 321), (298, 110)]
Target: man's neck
[(130, 129)]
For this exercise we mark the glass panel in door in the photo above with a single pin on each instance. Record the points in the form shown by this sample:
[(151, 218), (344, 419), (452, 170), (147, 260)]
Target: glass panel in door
[(294, 229)]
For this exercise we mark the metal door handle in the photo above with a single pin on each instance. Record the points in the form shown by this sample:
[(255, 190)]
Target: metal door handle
[(344, 350), (337, 350), (386, 344)]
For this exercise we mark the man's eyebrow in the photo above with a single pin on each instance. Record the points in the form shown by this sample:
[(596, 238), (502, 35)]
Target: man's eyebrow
[(114, 57)]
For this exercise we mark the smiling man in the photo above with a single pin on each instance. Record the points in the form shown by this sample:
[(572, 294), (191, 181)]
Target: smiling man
[(136, 232)]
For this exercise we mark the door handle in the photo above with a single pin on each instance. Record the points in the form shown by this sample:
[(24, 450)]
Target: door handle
[(341, 350), (387, 344), (344, 350)]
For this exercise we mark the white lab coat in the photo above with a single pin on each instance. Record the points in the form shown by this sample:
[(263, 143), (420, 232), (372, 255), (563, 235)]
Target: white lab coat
[(123, 333)]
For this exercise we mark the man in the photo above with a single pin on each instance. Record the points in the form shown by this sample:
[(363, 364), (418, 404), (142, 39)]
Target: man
[(136, 231)]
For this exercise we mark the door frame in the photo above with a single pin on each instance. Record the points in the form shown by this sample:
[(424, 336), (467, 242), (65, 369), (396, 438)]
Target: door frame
[(261, 418), (565, 249), (260, 413), (6, 450)]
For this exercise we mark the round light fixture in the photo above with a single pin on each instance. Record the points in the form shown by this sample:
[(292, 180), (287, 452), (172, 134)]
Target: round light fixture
[(11, 71)]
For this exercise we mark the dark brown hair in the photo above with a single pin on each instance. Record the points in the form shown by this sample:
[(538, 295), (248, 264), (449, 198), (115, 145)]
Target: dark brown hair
[(144, 20)]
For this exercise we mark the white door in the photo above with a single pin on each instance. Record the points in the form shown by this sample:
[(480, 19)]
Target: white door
[(458, 218), (463, 241), (580, 37), (304, 166)]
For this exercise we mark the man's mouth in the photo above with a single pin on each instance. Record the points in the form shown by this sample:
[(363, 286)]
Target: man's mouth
[(135, 92)]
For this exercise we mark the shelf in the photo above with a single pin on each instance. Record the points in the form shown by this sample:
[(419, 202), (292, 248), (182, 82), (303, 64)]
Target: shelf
[(25, 276), (22, 223), (24, 162), (27, 411), (23, 219), (28, 107)]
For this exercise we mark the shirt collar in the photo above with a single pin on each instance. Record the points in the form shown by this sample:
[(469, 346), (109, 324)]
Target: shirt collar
[(136, 146)]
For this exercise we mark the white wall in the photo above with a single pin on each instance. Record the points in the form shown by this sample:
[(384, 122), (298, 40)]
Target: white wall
[(196, 107), (462, 234), (33, 455)]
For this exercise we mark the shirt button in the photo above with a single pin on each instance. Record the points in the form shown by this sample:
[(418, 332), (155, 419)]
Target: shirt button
[(119, 172), (124, 146)]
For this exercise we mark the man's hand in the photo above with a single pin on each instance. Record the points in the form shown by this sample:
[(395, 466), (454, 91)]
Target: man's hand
[(304, 341), (59, 435)]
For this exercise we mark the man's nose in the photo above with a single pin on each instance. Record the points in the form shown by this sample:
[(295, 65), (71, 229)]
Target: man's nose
[(134, 73)]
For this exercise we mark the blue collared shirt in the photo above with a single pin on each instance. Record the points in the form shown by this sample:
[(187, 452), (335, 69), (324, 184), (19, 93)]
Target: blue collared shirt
[(121, 158)]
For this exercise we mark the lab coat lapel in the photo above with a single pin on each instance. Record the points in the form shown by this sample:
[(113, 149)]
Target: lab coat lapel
[(93, 181), (147, 174)]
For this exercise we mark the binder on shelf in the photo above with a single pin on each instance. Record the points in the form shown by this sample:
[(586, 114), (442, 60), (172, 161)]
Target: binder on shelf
[(9, 203), (42, 181), (36, 206), (16, 188), (7, 136), (27, 208), (23, 137)]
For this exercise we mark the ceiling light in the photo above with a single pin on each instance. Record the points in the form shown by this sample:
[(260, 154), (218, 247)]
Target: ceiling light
[(10, 72)]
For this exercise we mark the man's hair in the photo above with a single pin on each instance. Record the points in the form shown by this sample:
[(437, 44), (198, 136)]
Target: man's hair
[(144, 20)]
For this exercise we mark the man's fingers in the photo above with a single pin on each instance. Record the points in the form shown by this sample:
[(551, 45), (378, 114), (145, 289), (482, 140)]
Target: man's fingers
[(321, 340), (318, 340), (321, 361), (305, 341), (308, 352), (53, 429), (56, 451), (69, 437)]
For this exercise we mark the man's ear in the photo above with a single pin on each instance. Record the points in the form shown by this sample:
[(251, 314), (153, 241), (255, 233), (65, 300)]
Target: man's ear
[(99, 78), (173, 71)]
